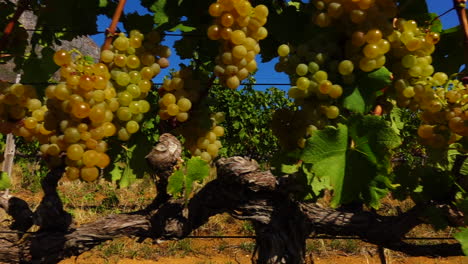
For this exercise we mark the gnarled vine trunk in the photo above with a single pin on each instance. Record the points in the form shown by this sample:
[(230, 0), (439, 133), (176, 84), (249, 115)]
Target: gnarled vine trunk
[(241, 189)]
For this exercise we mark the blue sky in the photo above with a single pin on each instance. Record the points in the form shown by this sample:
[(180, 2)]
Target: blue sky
[(266, 72)]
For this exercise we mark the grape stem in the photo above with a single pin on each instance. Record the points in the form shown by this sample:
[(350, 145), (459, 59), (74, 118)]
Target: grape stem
[(22, 6), (460, 6), (110, 32), (441, 15)]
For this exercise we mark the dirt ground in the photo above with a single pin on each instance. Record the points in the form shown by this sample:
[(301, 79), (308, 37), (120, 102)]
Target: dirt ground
[(246, 259)]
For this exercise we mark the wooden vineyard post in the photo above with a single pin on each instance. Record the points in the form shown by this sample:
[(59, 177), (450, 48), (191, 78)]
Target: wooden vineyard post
[(9, 155)]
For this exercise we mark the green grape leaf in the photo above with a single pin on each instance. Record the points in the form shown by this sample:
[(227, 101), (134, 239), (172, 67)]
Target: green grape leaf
[(183, 28), (39, 69), (128, 177), (396, 119), (116, 173), (462, 237), (326, 150), (354, 101), (361, 98), (359, 172), (160, 15), (447, 56), (436, 25), (103, 3), (411, 9), (4, 181), (289, 169), (181, 181), (176, 183), (131, 21), (197, 170)]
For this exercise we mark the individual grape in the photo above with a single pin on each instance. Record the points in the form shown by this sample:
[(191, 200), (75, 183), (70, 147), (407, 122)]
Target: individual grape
[(233, 82), (132, 127), (332, 112), (335, 91), (103, 160), (182, 116), (62, 57), (218, 131), (184, 104), (124, 114), (283, 50), (75, 152), (89, 174), (121, 43), (72, 173), (302, 69), (107, 56), (373, 36), (345, 67), (205, 156), (90, 158), (172, 109)]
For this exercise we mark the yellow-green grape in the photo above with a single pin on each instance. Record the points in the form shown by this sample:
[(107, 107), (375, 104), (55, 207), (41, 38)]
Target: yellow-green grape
[(89, 174), (345, 67), (172, 109), (332, 112), (62, 57), (75, 152), (182, 116), (212, 149), (168, 99), (205, 156), (124, 114), (72, 173), (303, 83), (218, 131), (123, 134), (121, 43), (184, 104), (335, 91), (132, 127)]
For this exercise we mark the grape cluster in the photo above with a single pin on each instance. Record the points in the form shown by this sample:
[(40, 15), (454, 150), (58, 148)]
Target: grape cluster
[(439, 101), (442, 106), (79, 115), (355, 12), (205, 143), (239, 27), (368, 22), (133, 61), (178, 93), (315, 77), (93, 101), (21, 113)]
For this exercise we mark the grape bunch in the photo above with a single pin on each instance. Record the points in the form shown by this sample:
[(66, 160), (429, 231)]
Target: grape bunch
[(133, 61), (355, 12), (443, 112), (316, 78), (178, 93), (239, 27), (321, 68), (21, 113), (202, 142), (80, 111)]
